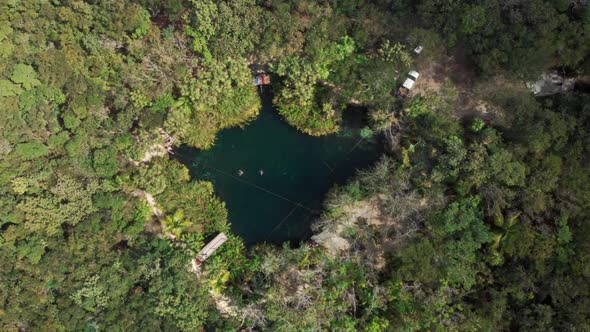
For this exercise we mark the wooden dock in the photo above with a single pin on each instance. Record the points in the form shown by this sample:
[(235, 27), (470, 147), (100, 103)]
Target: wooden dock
[(210, 248)]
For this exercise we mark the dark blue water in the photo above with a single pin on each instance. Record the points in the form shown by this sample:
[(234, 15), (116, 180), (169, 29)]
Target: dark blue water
[(298, 170)]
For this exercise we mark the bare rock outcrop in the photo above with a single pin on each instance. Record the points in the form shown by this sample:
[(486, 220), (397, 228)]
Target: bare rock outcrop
[(550, 84)]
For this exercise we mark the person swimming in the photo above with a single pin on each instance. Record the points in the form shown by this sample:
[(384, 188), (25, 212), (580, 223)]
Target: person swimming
[(261, 172), (240, 172)]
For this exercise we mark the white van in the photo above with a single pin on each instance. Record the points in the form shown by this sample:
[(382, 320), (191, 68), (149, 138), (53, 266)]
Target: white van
[(411, 80)]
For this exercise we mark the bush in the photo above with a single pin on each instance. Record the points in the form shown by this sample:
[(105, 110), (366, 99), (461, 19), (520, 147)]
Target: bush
[(32, 150)]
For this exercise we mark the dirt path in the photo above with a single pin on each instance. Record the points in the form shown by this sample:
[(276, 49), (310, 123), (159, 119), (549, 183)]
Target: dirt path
[(156, 212), (158, 149), (455, 68), (457, 72)]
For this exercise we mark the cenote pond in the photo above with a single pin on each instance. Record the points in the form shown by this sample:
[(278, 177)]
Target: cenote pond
[(279, 203)]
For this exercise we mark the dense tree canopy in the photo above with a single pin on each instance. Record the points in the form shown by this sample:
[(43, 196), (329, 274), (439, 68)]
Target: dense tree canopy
[(483, 218)]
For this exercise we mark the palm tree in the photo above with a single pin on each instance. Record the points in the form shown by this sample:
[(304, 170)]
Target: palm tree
[(176, 223)]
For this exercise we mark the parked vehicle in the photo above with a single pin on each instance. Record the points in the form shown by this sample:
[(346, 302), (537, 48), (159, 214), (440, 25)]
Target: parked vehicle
[(408, 83)]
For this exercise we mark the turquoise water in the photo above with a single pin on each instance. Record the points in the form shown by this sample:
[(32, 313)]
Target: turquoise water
[(297, 171)]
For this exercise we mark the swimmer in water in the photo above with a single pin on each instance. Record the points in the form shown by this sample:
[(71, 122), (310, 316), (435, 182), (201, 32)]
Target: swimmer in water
[(261, 172), (240, 172)]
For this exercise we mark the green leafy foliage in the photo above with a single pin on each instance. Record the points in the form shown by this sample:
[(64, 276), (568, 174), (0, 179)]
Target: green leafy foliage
[(462, 229), (395, 53), (32, 150), (463, 233), (223, 29), (520, 38), (176, 223), (25, 75), (68, 201), (305, 99), (105, 162), (8, 89), (220, 96)]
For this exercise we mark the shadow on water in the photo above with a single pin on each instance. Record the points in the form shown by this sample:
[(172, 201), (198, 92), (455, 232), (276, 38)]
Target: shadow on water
[(279, 203)]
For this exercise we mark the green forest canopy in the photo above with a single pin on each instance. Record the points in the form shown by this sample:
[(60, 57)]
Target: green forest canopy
[(498, 209)]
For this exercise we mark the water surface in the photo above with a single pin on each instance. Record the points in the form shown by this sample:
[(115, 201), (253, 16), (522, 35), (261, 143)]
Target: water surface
[(297, 171)]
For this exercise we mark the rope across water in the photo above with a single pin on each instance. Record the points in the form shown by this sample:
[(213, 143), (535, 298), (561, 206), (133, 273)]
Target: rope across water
[(256, 186), (270, 192)]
